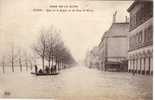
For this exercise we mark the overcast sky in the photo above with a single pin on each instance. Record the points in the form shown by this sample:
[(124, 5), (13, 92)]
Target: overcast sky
[(80, 31)]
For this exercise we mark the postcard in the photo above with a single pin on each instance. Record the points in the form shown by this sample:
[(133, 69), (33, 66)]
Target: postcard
[(76, 49)]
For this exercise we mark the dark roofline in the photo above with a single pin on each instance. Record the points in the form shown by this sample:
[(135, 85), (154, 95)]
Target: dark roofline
[(121, 23), (136, 2), (132, 5), (106, 32), (118, 23)]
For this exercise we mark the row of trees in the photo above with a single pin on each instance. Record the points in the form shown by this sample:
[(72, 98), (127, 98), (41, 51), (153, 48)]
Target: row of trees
[(16, 57), (50, 47)]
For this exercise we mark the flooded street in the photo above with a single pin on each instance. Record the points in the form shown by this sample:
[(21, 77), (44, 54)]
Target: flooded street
[(77, 83)]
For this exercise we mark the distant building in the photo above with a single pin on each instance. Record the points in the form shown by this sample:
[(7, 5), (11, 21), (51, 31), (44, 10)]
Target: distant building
[(141, 37), (92, 58), (114, 47)]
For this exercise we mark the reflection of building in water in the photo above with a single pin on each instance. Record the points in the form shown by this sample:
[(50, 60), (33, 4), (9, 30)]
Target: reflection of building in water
[(141, 37), (114, 47)]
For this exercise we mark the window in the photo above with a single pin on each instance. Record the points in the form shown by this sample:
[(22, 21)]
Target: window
[(135, 21), (150, 33), (129, 43), (145, 35), (131, 22), (140, 37)]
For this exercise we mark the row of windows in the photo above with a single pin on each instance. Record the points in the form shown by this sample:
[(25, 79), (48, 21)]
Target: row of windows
[(141, 39), (142, 15)]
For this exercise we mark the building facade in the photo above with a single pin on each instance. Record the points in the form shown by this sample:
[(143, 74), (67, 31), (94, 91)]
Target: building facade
[(140, 53), (92, 58), (114, 47)]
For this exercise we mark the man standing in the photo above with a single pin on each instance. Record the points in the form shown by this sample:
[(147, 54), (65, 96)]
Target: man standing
[(36, 68)]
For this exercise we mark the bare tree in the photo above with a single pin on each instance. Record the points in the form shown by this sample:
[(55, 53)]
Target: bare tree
[(40, 47), (58, 47), (53, 41), (20, 60), (3, 64), (26, 61), (31, 60), (20, 64), (60, 52), (12, 58), (25, 58), (31, 65), (51, 47)]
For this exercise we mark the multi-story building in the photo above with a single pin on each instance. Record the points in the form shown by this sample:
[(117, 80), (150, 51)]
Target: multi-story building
[(92, 58), (114, 47), (140, 51)]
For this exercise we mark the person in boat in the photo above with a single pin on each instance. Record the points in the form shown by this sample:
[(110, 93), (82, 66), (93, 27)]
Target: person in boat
[(47, 69), (51, 69), (36, 68), (54, 69), (40, 71)]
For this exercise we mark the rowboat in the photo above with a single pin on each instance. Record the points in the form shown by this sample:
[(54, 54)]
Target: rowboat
[(44, 74)]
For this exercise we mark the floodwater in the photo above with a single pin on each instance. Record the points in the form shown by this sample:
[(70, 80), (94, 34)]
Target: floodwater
[(77, 83)]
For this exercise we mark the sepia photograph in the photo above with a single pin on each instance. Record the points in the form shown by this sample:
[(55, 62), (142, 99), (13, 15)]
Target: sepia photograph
[(76, 49)]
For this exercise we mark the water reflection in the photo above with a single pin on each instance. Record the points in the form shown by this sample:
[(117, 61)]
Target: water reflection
[(78, 83)]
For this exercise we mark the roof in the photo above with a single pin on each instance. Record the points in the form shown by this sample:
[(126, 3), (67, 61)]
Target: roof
[(132, 6), (104, 35), (118, 29), (137, 2)]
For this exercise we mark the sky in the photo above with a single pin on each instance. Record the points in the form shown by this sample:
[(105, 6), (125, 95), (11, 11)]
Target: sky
[(81, 31)]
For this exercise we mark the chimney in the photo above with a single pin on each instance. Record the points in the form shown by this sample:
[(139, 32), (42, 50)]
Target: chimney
[(114, 17)]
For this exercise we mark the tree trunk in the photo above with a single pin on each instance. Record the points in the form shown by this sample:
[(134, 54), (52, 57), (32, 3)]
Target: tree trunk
[(20, 67), (43, 62), (43, 57), (26, 66), (20, 64), (3, 67), (61, 64), (31, 65), (12, 64), (49, 62), (52, 62), (58, 65), (12, 59)]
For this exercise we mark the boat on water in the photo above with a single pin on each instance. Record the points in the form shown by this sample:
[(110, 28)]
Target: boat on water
[(44, 74), (47, 71)]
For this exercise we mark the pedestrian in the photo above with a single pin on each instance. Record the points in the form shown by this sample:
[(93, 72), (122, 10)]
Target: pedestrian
[(40, 71), (51, 69), (36, 68), (47, 69), (54, 68)]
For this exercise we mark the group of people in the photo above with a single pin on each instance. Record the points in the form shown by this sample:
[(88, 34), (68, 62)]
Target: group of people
[(47, 69)]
